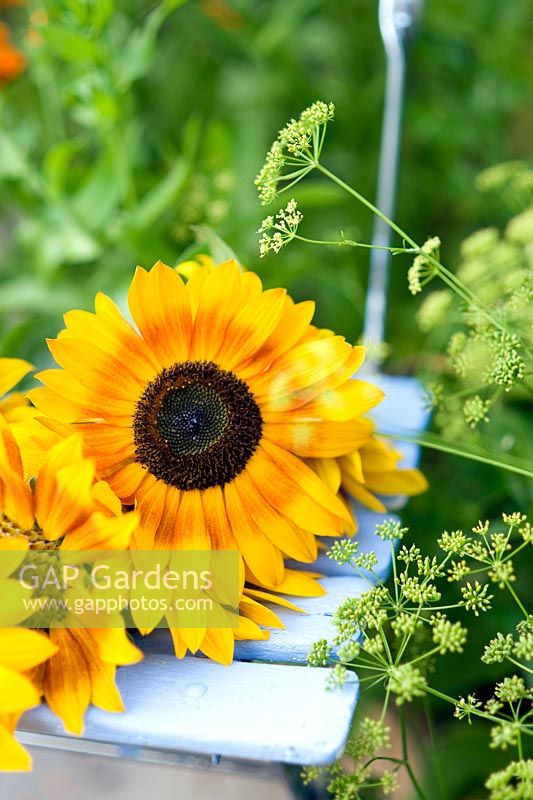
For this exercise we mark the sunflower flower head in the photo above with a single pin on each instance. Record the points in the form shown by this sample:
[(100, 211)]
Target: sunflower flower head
[(202, 415)]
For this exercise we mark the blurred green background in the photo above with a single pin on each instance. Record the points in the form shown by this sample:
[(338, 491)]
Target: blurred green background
[(136, 120), (135, 124)]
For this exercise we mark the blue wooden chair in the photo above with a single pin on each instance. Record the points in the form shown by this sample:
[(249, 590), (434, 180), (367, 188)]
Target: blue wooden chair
[(268, 706)]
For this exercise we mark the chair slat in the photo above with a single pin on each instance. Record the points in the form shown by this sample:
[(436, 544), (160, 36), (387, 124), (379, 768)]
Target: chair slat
[(292, 644), (250, 711)]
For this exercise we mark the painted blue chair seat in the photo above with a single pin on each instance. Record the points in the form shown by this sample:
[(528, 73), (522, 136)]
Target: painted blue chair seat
[(267, 706)]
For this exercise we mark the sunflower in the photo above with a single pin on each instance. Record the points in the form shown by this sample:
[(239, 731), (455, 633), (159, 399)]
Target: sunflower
[(20, 651), (66, 507), (202, 414), (370, 473)]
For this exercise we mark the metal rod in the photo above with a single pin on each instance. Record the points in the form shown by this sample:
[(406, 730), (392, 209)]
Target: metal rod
[(397, 21)]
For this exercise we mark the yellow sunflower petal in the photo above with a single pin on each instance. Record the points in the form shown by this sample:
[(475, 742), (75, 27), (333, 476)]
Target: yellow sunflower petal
[(218, 644), (160, 306), (13, 757), (102, 533), (258, 550), (271, 597), (104, 693), (289, 469), (104, 374), (15, 408), (258, 613), (16, 691), (16, 500), (151, 497), (168, 531), (180, 646), (362, 494), (135, 347), (192, 637), (290, 329), (398, 481), (66, 501), (105, 499), (218, 303), (125, 481), (113, 334), (247, 629), (67, 680), (299, 583), (378, 456), (21, 649), (12, 370), (306, 365), (216, 521), (351, 466), (319, 439), (115, 647), (249, 329), (328, 470), (189, 524), (285, 535), (339, 404), (63, 397)]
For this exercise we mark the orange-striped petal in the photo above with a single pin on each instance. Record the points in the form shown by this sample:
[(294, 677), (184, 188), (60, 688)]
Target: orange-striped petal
[(160, 306)]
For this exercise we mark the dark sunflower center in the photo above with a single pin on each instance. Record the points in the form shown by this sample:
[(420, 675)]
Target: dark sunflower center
[(192, 418), (196, 426)]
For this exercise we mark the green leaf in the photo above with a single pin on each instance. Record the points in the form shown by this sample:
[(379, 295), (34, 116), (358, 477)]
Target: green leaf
[(14, 164), (56, 163), (161, 198), (135, 59), (220, 250), (100, 194), (69, 45)]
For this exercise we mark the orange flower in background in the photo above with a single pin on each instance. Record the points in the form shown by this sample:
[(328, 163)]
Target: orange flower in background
[(222, 14), (12, 61)]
